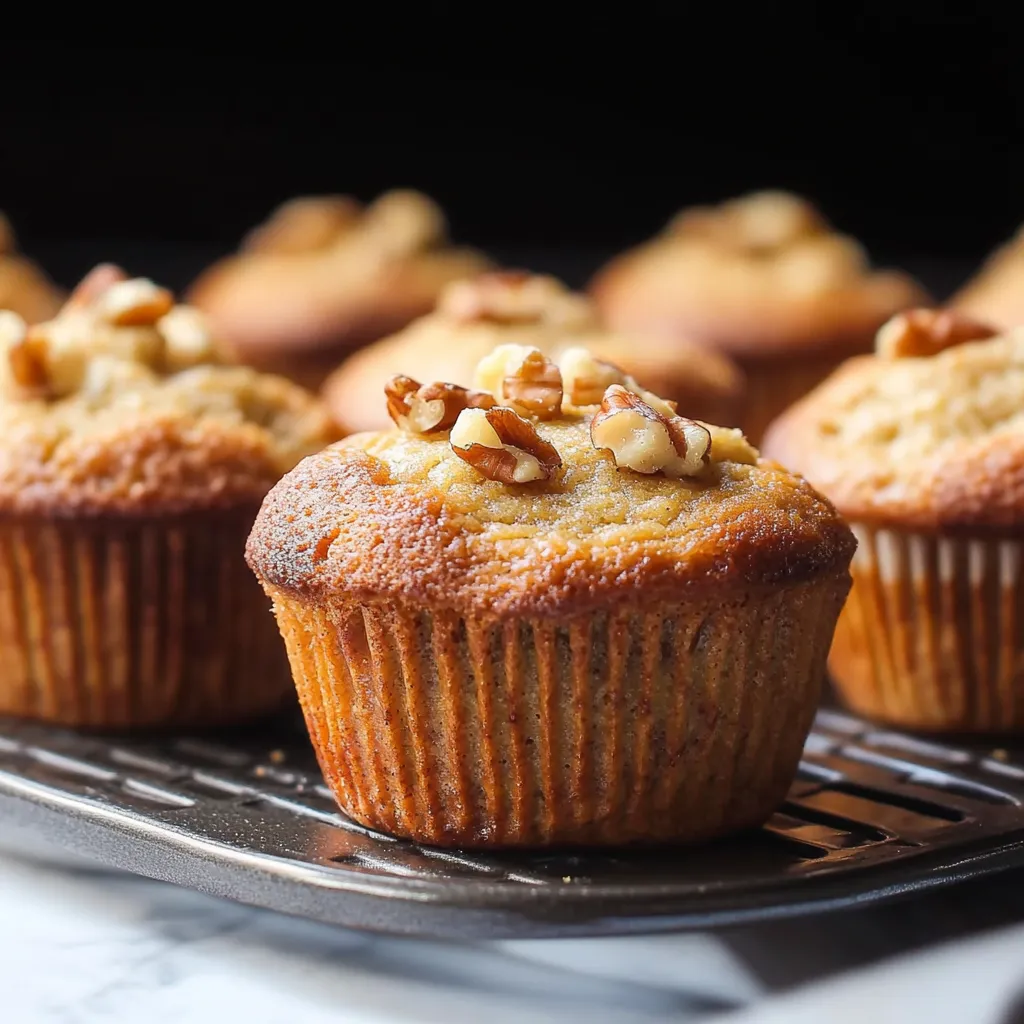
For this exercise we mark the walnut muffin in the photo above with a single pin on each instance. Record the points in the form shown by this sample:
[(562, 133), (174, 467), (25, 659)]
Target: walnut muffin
[(517, 620), (996, 293), (511, 307), (764, 279), (921, 447), (326, 275), (130, 473), (24, 288)]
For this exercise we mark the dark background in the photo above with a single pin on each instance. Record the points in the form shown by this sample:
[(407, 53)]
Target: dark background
[(902, 121)]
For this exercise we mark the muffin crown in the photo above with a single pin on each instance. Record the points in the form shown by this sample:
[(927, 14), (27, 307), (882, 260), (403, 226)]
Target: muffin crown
[(760, 275), (116, 405), (494, 507), (927, 433), (477, 315)]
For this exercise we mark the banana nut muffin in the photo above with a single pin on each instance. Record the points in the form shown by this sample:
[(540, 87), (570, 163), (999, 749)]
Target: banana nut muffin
[(326, 275), (921, 447), (522, 619), (130, 473), (512, 307), (764, 279), (24, 288)]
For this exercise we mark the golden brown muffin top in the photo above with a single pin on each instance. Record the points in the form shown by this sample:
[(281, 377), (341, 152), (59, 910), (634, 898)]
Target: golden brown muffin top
[(24, 288), (319, 258), (513, 499), (927, 434), (764, 274), (476, 315), (996, 292), (115, 406)]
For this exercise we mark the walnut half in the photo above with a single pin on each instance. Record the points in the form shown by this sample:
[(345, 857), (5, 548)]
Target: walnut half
[(643, 439), (926, 332), (429, 408), (500, 445), (524, 378)]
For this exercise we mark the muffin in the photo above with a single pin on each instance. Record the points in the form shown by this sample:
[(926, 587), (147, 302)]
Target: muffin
[(24, 288), (130, 474), (537, 623), (764, 279), (325, 275), (996, 293), (511, 307), (921, 447)]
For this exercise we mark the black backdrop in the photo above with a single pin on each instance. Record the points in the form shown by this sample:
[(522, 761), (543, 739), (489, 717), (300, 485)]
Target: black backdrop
[(903, 122)]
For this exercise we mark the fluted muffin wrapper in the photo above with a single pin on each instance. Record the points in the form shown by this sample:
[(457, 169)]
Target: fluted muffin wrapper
[(128, 622), (932, 636), (675, 723)]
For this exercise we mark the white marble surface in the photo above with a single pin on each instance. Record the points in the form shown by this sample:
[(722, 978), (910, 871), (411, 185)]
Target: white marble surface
[(83, 946)]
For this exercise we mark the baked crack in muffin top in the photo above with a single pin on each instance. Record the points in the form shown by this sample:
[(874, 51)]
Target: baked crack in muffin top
[(117, 405), (512, 498)]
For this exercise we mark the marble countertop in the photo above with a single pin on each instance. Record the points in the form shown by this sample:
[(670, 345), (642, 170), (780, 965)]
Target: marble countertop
[(82, 945)]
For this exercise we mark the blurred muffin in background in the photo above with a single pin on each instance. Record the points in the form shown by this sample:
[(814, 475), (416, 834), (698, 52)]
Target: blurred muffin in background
[(325, 275), (24, 288), (996, 292), (131, 469), (764, 279), (921, 449), (516, 308)]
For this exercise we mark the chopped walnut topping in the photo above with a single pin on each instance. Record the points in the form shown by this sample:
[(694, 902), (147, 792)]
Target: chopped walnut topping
[(729, 445), (645, 440), (759, 222), (500, 445), (515, 297), (926, 332), (187, 336), (586, 378), (523, 378), (134, 303), (429, 408)]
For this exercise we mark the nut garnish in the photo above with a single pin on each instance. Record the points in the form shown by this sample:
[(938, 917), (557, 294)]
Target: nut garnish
[(187, 338), (586, 378), (134, 303), (511, 297), (500, 445), (926, 332), (645, 440), (427, 408), (24, 366), (523, 378)]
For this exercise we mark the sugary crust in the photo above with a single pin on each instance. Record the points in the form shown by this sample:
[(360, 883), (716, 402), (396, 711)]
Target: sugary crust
[(996, 293), (392, 517), (707, 386), (757, 277), (302, 290), (933, 444), (207, 438)]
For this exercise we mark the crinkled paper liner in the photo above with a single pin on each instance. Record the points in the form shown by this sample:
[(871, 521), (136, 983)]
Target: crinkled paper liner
[(668, 725), (932, 636), (125, 622)]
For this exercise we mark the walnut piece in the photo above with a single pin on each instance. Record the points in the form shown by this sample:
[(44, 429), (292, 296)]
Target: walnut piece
[(647, 441), (429, 408), (586, 378), (500, 445), (523, 378), (514, 297), (755, 223), (187, 338), (926, 332), (134, 303)]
